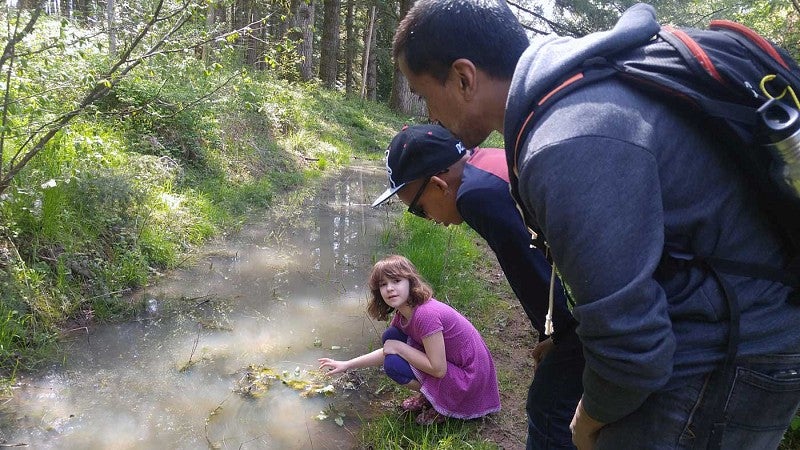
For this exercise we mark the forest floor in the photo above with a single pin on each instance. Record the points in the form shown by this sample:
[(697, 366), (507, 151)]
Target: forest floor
[(508, 428)]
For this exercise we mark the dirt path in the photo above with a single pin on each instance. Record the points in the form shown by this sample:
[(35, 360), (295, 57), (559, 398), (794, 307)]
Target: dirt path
[(508, 429), (511, 344)]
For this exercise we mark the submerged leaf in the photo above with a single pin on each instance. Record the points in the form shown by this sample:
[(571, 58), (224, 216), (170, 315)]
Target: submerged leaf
[(255, 381), (296, 384), (327, 390)]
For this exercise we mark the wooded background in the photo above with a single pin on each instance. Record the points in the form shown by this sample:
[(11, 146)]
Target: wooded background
[(342, 45), (346, 44)]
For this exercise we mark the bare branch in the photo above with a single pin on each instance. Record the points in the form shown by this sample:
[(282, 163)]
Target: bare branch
[(54, 45), (209, 94), (137, 39), (248, 27), (553, 25), (99, 90), (535, 30)]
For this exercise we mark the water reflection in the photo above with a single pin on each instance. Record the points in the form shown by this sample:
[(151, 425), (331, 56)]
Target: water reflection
[(280, 294)]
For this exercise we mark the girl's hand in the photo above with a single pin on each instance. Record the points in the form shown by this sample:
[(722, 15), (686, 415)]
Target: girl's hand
[(335, 366), (392, 347)]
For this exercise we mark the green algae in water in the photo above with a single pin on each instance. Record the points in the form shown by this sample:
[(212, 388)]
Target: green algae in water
[(256, 380)]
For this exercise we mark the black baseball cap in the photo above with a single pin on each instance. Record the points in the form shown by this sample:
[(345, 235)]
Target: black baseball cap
[(419, 151)]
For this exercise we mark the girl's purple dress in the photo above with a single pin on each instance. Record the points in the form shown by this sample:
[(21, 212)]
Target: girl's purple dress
[(469, 389)]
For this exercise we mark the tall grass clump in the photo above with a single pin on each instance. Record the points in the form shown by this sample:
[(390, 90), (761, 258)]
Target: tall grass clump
[(402, 433), (449, 260)]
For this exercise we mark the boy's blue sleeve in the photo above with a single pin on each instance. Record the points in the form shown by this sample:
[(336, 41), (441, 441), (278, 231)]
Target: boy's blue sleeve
[(486, 206)]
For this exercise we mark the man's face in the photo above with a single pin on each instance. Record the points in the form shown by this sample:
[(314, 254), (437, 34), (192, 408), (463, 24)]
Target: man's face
[(437, 202), (451, 105)]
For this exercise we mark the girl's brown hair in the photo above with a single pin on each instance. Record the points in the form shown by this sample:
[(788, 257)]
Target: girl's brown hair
[(395, 267)]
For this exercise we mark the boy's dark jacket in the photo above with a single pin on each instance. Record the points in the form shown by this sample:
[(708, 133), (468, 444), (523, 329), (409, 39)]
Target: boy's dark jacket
[(613, 177)]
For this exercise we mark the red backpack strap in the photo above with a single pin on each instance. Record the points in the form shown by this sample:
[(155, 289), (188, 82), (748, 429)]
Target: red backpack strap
[(696, 51), (523, 131), (751, 35)]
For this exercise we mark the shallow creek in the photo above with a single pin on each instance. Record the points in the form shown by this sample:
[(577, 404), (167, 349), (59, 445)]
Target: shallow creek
[(270, 299)]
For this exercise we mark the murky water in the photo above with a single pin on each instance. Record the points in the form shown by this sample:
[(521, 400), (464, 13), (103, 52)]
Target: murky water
[(278, 295)]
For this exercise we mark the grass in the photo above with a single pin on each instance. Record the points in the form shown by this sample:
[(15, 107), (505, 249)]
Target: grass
[(791, 440), (400, 432)]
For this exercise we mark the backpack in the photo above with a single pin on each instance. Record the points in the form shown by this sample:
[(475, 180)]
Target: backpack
[(745, 86)]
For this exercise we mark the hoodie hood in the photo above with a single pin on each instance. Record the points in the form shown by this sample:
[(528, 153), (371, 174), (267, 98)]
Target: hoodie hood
[(550, 58)]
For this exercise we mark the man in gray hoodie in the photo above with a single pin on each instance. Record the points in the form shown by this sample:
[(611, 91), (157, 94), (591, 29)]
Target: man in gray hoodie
[(621, 185)]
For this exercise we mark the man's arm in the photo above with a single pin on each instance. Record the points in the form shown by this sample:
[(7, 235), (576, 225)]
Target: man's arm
[(604, 224)]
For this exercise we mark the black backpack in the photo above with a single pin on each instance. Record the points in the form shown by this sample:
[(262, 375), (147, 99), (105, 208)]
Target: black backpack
[(746, 86)]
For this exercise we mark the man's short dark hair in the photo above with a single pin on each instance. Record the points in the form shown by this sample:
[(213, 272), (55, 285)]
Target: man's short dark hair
[(435, 33)]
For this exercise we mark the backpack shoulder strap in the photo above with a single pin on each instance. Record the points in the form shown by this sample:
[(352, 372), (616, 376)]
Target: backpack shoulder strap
[(600, 70)]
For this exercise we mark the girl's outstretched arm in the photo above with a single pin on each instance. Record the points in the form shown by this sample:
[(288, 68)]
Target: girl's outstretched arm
[(373, 358), (432, 361)]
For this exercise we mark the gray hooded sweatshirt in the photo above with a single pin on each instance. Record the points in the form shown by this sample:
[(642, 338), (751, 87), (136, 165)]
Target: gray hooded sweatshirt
[(615, 178)]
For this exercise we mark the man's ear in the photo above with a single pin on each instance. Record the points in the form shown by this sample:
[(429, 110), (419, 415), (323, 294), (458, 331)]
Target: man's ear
[(439, 183), (465, 74)]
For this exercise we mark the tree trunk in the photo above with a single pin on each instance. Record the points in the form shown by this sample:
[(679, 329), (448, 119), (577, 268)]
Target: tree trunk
[(329, 53), (401, 98), (111, 22), (372, 73), (369, 39), (52, 7), (305, 21), (280, 20), (349, 48), (210, 20)]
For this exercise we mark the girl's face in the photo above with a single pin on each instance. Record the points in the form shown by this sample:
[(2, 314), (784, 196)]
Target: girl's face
[(394, 291)]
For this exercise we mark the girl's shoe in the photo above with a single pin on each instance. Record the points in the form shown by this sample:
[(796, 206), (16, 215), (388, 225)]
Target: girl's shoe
[(429, 417), (415, 403)]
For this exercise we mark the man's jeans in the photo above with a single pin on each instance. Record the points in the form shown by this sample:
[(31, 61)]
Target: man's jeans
[(760, 395), (553, 396)]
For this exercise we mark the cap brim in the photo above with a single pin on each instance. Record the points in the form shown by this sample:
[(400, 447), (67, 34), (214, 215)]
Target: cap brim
[(387, 194)]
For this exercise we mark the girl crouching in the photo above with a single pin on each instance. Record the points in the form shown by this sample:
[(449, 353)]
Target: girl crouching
[(429, 347)]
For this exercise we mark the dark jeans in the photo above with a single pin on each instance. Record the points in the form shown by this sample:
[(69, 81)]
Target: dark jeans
[(759, 395), (553, 396), (397, 368)]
